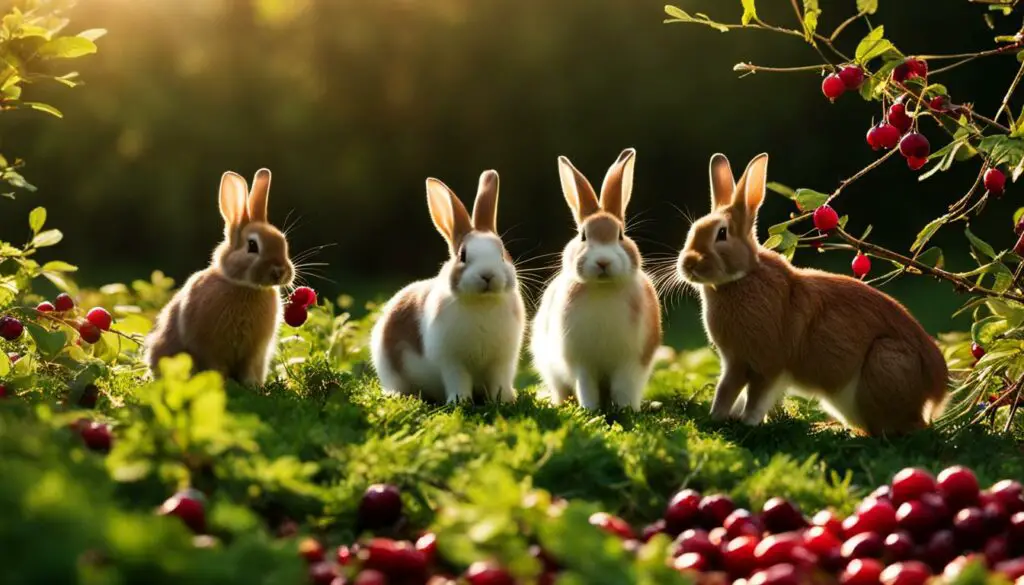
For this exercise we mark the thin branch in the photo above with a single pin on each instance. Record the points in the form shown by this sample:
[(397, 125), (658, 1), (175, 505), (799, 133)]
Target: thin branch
[(751, 68), (842, 26), (975, 55), (877, 163), (1009, 94)]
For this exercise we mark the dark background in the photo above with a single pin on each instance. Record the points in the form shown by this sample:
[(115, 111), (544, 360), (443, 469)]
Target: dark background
[(353, 103)]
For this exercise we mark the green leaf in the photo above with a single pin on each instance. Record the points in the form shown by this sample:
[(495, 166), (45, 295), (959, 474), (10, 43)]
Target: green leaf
[(1017, 215), (867, 6), (980, 245), (781, 190), (932, 257), (1003, 277), (49, 343), (987, 329), (67, 48), (927, 232), (811, 14), (1002, 149), (782, 242), (679, 15), (749, 12), (44, 108), (873, 45), (59, 266), (809, 199), (47, 238), (1012, 311), (5, 364), (92, 34), (36, 219)]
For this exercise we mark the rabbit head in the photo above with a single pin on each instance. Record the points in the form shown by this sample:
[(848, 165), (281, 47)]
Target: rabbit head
[(600, 252), (253, 253), (479, 264), (721, 247)]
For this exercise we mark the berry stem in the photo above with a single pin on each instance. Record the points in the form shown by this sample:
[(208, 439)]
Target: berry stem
[(842, 26), (975, 55), (751, 68), (1005, 105), (1015, 406)]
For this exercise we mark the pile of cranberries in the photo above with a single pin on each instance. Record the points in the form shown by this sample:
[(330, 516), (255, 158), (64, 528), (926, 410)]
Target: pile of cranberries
[(89, 328), (295, 312)]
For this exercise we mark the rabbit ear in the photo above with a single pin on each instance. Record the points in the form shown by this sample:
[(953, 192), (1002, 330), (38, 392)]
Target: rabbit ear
[(485, 208), (259, 195), (618, 185), (233, 191), (722, 183), (577, 190), (750, 190), (449, 214)]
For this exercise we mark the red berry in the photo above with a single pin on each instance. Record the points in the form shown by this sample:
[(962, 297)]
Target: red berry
[(1010, 494), (89, 332), (304, 296), (906, 573), (898, 546), (918, 67), (380, 507), (370, 577), (861, 265), (97, 436), (877, 515), (1013, 569), (940, 549), (45, 307), (777, 548), (311, 550), (653, 529), (883, 136), (996, 550), (995, 181), (833, 87), (915, 164), (910, 484), (682, 510), (898, 118), (738, 556), (862, 546), (691, 561), (916, 517), (820, 541), (3, 391), (485, 573), (1016, 531), (612, 525), (695, 541), (64, 302), (10, 328), (939, 103), (828, 520), (862, 572), (958, 486), (910, 69), (852, 76), (780, 515), (825, 219), (295, 314), (343, 556), (977, 351), (394, 558), (714, 509), (321, 573), (188, 505), (780, 574), (741, 523), (970, 526), (915, 145), (427, 544), (99, 317)]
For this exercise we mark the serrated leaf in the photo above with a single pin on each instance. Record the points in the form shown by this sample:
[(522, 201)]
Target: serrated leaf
[(809, 199), (867, 6), (679, 15), (987, 329), (980, 245), (47, 238), (59, 266), (44, 108), (927, 232), (92, 34), (749, 12), (36, 219), (811, 14), (49, 343), (67, 48), (872, 45)]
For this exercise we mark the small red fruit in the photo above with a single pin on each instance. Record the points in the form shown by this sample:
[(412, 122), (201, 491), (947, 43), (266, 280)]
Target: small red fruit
[(370, 577), (833, 87), (64, 302), (825, 219), (612, 525), (311, 550), (910, 484), (915, 163), (1010, 494), (877, 515), (820, 541), (89, 332), (862, 572), (395, 558), (939, 103), (959, 486), (916, 517), (96, 436), (10, 328), (691, 562), (344, 555), (3, 391), (1016, 530), (940, 549), (777, 548), (995, 181), (380, 507), (852, 76), (910, 69), (970, 527), (906, 573), (741, 523), (427, 544), (485, 573), (828, 520), (780, 574), (714, 509), (977, 351), (915, 145), (681, 512), (188, 505), (45, 307), (295, 314), (1013, 569), (99, 317), (861, 265), (653, 529), (898, 118), (738, 556), (321, 573), (883, 136), (696, 541), (862, 546), (898, 546), (304, 296), (780, 515), (996, 550)]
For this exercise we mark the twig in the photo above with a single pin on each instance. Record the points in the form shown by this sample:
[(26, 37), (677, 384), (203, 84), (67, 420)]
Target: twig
[(1009, 93), (842, 26), (750, 67), (877, 163), (976, 55), (1014, 407)]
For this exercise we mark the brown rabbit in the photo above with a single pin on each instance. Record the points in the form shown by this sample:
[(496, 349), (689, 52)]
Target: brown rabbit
[(779, 327), (226, 317)]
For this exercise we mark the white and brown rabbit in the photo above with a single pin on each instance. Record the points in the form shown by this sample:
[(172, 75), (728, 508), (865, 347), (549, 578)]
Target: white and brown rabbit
[(599, 322), (226, 316), (779, 328), (461, 331)]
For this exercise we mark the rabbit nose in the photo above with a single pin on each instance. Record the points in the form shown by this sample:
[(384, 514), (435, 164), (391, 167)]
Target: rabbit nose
[(277, 273), (603, 264), (690, 261), (487, 277)]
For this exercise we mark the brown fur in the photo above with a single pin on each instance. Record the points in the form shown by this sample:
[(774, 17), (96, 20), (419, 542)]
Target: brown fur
[(653, 316), (402, 326), (768, 318)]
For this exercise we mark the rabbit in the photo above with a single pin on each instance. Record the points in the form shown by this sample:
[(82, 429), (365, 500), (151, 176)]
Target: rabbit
[(599, 321), (460, 332), (778, 327), (226, 317)]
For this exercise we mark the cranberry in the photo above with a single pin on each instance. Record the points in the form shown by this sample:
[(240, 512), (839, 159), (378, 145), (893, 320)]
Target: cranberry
[(780, 574), (780, 515), (910, 69), (882, 492), (714, 509), (691, 561), (833, 87), (906, 573), (898, 118), (910, 484), (1010, 494), (1016, 531), (64, 302), (311, 550), (827, 519), (321, 573), (825, 219), (89, 332), (380, 507), (304, 296), (862, 572), (97, 436), (427, 544), (916, 517), (996, 550), (915, 163), (612, 525), (344, 555), (1013, 569), (956, 566), (394, 558), (970, 527), (295, 314), (189, 506), (99, 317), (861, 265), (777, 548), (863, 545), (741, 523), (877, 515), (958, 486), (940, 549), (90, 394), (852, 76), (718, 535), (938, 505), (45, 307), (898, 546), (939, 103), (653, 529), (820, 541), (738, 556), (370, 577), (10, 328), (977, 351), (995, 181), (682, 510), (915, 145), (696, 541), (485, 573), (883, 136)]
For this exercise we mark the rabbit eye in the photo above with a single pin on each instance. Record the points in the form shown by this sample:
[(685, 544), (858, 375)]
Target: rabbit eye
[(462, 255), (254, 247), (722, 233)]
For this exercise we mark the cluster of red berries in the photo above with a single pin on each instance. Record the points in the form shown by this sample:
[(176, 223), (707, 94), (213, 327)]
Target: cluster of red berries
[(848, 78), (826, 220), (295, 312), (90, 329), (902, 534)]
